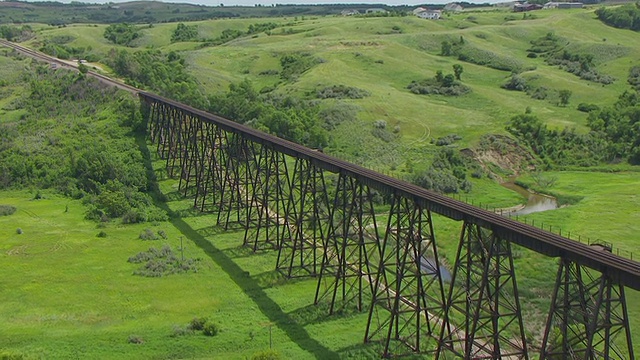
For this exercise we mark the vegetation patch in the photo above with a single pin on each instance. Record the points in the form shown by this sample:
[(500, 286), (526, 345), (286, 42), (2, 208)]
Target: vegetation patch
[(294, 64), (634, 77), (161, 262), (448, 172), (471, 54), (341, 92), (556, 52), (17, 34), (184, 32), (121, 34), (622, 17), (439, 85), (6, 210)]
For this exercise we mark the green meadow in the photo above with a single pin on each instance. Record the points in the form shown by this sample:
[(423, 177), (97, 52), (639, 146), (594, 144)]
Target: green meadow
[(66, 292)]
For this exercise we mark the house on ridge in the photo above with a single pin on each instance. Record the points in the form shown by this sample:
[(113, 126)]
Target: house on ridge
[(430, 14)]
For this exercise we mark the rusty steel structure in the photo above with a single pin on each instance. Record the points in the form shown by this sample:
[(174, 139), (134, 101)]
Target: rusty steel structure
[(318, 213)]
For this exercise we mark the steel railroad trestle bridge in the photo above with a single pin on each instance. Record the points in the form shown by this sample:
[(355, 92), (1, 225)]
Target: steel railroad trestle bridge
[(317, 212)]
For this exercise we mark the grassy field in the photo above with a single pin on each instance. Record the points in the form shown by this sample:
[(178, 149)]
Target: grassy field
[(68, 293)]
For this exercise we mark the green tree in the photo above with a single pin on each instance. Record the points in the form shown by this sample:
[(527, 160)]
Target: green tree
[(457, 70), (446, 48), (184, 32), (121, 34), (564, 97)]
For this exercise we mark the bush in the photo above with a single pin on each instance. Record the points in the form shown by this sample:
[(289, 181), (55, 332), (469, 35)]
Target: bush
[(341, 92), (584, 107), (6, 210), (102, 234), (19, 231), (148, 234), (266, 355), (210, 329), (135, 339), (197, 324)]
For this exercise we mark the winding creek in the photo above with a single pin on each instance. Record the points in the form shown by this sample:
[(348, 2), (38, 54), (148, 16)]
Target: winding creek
[(535, 202)]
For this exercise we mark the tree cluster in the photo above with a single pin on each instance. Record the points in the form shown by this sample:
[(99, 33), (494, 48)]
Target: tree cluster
[(74, 137), (622, 17), (14, 33), (614, 134), (553, 48), (121, 34), (184, 32), (447, 173), (441, 84), (285, 117), (163, 73)]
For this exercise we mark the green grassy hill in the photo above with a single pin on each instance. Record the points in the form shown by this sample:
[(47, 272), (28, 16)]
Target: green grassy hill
[(379, 55)]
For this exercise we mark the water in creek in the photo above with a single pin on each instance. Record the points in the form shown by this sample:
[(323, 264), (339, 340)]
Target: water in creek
[(535, 202)]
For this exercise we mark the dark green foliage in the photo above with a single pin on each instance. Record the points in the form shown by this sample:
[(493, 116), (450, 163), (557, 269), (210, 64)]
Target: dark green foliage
[(623, 17), (121, 34), (197, 324), (162, 73), (448, 140), (286, 117), (266, 355), (185, 33), (338, 113), (439, 85), (6, 210), (516, 83), (102, 234), (148, 234), (468, 53), (341, 92), (578, 64), (559, 147), (19, 231), (584, 107), (620, 126), (210, 329), (564, 97), (161, 262), (294, 64), (135, 339), (447, 173), (634, 77), (70, 140), (554, 49), (457, 71), (14, 33)]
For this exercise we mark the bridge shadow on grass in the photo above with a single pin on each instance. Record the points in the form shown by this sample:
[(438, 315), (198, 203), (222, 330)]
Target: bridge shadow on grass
[(253, 289), (249, 286)]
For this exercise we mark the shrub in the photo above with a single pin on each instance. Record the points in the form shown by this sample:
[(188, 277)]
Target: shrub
[(197, 324), (6, 210), (148, 234), (584, 107), (19, 231), (102, 234), (266, 355), (341, 92), (210, 329), (181, 331), (135, 339)]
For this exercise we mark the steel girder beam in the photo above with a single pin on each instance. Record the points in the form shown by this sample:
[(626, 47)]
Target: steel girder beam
[(350, 248), (483, 318), (270, 189), (308, 213), (210, 181), (408, 301), (236, 160), (585, 317)]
